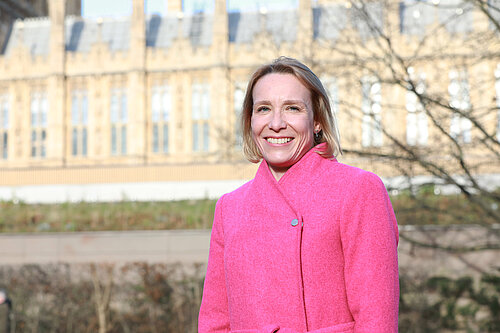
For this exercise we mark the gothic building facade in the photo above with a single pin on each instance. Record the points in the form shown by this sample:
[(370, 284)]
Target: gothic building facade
[(156, 99)]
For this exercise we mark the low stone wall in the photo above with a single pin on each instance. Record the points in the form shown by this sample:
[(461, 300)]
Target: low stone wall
[(159, 246), (450, 251), (437, 250)]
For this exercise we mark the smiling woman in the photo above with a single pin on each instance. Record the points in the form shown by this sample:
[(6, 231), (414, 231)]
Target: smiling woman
[(325, 125), (310, 244), (282, 121)]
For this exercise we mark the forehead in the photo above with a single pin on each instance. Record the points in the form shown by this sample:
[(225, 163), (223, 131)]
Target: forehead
[(280, 86)]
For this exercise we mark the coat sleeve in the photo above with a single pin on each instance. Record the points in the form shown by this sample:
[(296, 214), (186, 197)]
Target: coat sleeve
[(214, 315), (369, 235)]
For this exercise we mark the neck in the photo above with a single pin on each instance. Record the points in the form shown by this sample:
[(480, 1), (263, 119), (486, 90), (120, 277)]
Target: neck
[(278, 172)]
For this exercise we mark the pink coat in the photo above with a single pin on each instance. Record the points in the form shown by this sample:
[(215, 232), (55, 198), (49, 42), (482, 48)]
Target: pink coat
[(314, 252)]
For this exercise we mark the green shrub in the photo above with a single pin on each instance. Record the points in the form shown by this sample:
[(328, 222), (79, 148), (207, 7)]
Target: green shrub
[(166, 298), (440, 304), (136, 297)]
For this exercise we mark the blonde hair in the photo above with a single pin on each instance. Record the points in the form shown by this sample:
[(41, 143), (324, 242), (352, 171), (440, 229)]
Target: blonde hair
[(320, 103)]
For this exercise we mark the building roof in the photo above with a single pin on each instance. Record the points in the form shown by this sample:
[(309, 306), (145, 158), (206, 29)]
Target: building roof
[(32, 33), (243, 27), (82, 33), (161, 31)]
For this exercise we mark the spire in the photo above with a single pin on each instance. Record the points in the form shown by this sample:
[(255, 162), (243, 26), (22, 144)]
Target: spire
[(305, 33), (138, 35), (57, 42), (220, 32), (174, 6)]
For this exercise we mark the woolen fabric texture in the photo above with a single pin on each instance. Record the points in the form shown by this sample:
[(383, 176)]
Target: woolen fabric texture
[(315, 251)]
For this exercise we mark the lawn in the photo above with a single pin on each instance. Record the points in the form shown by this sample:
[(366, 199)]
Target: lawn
[(424, 207), (91, 216)]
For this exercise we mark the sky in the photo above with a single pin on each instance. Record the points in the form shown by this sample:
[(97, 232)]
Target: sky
[(105, 8)]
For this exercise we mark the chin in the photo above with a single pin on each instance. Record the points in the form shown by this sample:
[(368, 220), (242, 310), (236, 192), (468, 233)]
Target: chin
[(280, 163)]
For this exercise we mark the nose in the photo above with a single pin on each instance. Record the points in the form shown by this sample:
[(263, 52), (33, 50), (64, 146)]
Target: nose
[(277, 122)]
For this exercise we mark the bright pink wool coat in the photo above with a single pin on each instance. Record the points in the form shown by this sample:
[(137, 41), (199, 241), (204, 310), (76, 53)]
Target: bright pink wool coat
[(314, 252)]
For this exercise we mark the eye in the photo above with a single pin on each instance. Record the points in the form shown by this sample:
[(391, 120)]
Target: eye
[(262, 108), (293, 108)]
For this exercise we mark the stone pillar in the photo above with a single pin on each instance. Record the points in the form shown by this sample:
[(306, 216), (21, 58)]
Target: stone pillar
[(219, 77), (174, 6), (57, 44), (137, 49), (74, 7), (220, 33), (56, 85), (136, 95), (305, 33)]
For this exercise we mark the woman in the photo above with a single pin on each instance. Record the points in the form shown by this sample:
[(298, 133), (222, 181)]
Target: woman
[(310, 244)]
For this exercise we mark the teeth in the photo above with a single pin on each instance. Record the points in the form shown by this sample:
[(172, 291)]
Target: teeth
[(278, 140)]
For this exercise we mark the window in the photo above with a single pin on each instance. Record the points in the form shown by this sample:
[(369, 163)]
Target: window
[(455, 15), (416, 119), (39, 109), (497, 90), (371, 106), (200, 114), (415, 16), (460, 127), (238, 98), (161, 105), (331, 86), (119, 120), (324, 27), (367, 18), (4, 126), (79, 123)]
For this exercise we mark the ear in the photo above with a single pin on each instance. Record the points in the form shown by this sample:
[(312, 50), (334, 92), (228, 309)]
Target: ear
[(317, 127)]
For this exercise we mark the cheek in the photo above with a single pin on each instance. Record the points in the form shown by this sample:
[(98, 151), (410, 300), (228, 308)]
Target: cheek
[(252, 127), (255, 126), (254, 132), (305, 127)]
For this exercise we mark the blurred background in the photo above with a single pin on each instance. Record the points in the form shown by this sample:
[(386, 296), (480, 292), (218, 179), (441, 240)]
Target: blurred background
[(119, 129)]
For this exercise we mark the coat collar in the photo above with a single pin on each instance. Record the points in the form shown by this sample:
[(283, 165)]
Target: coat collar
[(299, 178), (307, 167)]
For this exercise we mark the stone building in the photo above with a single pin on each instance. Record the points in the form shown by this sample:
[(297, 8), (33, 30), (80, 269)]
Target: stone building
[(153, 100), (10, 10)]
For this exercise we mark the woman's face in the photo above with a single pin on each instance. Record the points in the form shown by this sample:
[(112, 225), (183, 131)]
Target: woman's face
[(282, 121)]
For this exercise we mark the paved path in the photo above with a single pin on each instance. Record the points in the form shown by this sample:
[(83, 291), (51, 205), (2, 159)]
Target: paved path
[(191, 246), (187, 246)]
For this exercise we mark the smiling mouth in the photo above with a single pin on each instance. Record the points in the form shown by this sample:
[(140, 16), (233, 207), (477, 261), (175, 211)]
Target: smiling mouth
[(278, 140)]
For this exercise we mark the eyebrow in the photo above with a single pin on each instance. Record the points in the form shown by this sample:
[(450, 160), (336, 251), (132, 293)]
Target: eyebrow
[(287, 102)]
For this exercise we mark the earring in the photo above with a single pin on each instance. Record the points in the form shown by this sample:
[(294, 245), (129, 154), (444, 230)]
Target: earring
[(318, 135)]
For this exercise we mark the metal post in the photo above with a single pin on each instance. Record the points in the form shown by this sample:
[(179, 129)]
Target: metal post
[(5, 311)]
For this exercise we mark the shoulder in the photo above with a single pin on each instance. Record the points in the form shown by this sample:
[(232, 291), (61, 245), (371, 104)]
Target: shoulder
[(241, 191), (360, 190), (348, 177), (232, 198)]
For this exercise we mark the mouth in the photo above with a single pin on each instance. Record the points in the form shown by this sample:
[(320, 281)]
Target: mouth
[(278, 141)]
